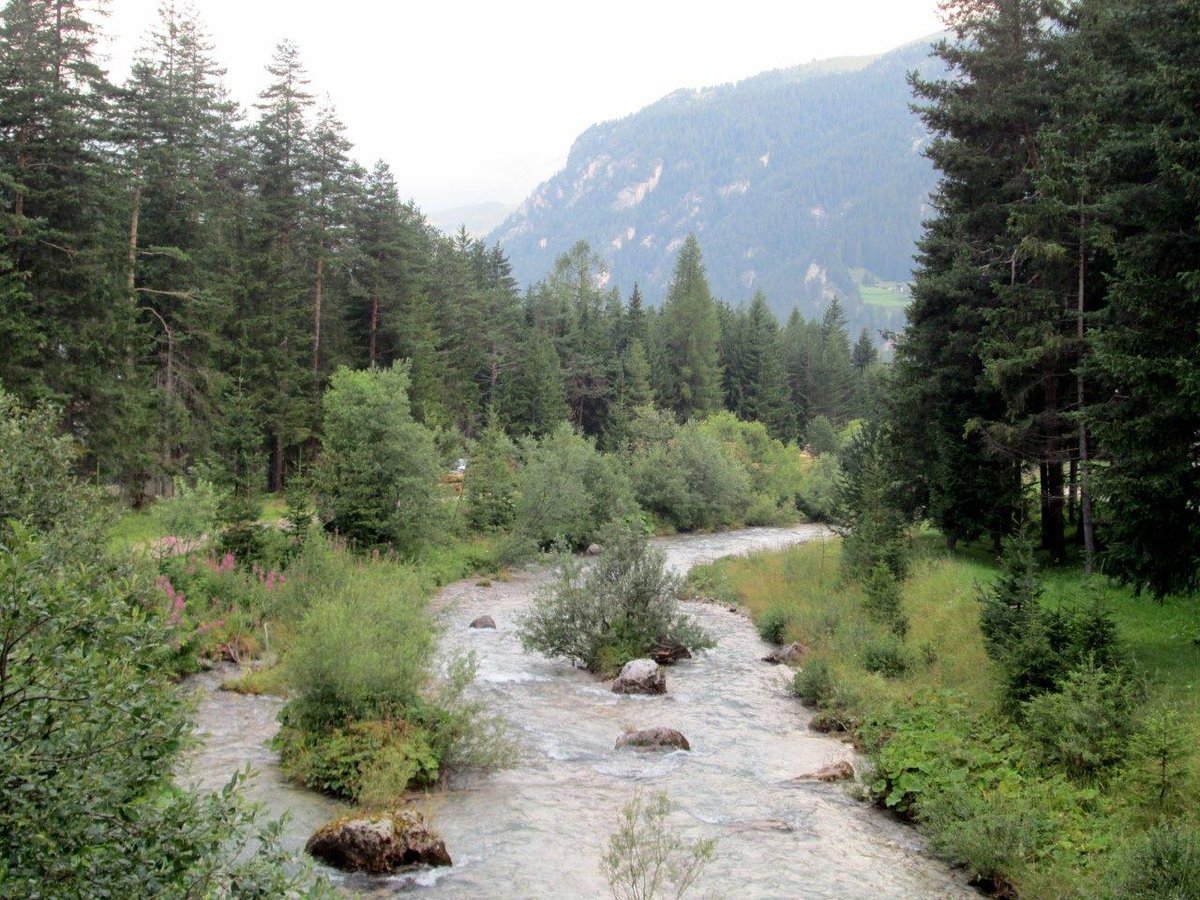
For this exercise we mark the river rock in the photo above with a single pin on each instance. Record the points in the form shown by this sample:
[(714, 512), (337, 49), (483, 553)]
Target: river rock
[(484, 622), (378, 843), (649, 739), (793, 652), (594, 550), (640, 676), (838, 771), (666, 654)]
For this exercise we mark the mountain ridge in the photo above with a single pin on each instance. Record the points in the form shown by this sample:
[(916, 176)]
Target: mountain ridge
[(804, 182)]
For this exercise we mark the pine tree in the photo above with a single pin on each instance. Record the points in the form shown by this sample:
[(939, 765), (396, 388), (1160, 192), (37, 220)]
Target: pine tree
[(864, 352), (691, 369), (180, 129), (963, 428), (764, 392), (274, 340), (1148, 417), (534, 400), (66, 325)]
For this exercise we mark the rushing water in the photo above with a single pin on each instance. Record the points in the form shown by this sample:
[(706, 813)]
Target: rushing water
[(539, 830)]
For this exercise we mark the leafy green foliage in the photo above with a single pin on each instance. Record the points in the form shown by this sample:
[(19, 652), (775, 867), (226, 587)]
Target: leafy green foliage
[(883, 600), (91, 728), (773, 623), (813, 684), (620, 609), (870, 507), (1085, 725), (1164, 862), (687, 479), (776, 469), (370, 762), (1035, 646), (491, 481), (886, 656), (647, 858), (362, 652), (1159, 768), (569, 491), (993, 834), (820, 437), (375, 479), (192, 510), (820, 490)]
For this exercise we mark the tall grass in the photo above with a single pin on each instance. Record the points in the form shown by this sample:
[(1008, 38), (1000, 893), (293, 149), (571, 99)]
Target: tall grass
[(1019, 823)]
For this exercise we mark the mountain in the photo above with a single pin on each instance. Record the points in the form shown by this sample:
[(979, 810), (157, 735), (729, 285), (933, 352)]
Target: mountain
[(478, 219), (804, 182)]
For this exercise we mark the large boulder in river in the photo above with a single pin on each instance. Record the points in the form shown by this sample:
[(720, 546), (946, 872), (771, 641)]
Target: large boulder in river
[(790, 654), (378, 843), (484, 622), (653, 739), (640, 676)]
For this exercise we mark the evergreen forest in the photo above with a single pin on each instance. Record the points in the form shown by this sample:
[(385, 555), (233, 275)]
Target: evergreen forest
[(260, 421)]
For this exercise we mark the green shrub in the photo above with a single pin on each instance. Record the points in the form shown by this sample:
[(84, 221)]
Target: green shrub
[(776, 469), (376, 476), (362, 651), (1085, 726), (813, 684), (491, 481), (570, 492), (1163, 863), (883, 600), (463, 731), (623, 607), (36, 484), (241, 534), (817, 496), (1034, 646), (916, 751), (886, 656), (870, 508), (821, 437), (1160, 755), (372, 762), (193, 509), (91, 727), (992, 834), (689, 481), (773, 622), (646, 858)]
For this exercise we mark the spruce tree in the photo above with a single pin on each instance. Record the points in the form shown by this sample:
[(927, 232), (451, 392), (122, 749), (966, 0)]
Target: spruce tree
[(1148, 416), (690, 334), (275, 340)]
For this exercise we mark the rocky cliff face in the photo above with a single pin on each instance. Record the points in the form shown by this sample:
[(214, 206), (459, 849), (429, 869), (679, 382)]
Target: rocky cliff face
[(802, 182)]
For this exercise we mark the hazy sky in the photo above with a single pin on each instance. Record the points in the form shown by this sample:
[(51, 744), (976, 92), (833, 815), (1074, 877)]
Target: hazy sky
[(473, 101)]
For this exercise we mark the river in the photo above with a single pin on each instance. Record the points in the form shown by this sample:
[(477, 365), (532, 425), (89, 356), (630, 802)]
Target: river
[(539, 830)]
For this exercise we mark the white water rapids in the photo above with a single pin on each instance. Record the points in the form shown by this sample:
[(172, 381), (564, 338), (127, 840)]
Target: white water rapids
[(539, 830)]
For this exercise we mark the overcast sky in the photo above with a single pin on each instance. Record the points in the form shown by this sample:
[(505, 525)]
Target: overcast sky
[(475, 101)]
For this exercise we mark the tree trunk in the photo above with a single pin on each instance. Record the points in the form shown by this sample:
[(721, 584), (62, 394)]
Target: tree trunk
[(276, 476), (131, 259), (1072, 490), (374, 324), (1085, 496), (318, 296), (1053, 526)]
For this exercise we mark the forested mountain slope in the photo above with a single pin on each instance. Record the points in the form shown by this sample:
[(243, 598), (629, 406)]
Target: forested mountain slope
[(800, 182)]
